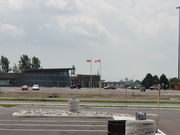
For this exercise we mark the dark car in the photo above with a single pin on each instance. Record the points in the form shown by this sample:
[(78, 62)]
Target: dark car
[(74, 86), (110, 87), (142, 88)]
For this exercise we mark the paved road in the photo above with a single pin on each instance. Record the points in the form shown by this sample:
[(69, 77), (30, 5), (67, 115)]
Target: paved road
[(49, 126), (169, 123)]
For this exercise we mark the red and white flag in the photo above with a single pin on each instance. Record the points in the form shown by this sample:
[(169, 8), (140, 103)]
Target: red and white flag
[(88, 60), (97, 61)]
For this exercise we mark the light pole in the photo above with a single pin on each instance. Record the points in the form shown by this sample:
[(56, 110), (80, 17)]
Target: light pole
[(179, 45)]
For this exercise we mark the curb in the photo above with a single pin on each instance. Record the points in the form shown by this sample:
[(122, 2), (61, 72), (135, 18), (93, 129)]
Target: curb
[(41, 116)]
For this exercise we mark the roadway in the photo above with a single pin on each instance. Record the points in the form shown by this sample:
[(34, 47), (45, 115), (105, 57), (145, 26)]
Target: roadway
[(169, 122)]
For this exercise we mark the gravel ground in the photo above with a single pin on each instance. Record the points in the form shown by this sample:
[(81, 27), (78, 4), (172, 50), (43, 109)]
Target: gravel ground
[(54, 112)]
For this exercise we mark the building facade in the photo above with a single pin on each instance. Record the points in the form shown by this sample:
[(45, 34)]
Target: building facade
[(48, 77), (44, 77), (85, 80)]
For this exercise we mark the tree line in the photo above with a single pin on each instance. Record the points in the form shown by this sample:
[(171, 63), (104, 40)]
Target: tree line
[(164, 82), (25, 63), (150, 80)]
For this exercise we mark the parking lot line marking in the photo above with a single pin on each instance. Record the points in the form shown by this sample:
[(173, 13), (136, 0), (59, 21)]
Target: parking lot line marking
[(70, 121), (55, 125), (50, 130)]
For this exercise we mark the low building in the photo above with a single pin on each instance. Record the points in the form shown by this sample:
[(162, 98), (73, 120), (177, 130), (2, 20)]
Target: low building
[(119, 84), (56, 77), (85, 80), (11, 79), (48, 77)]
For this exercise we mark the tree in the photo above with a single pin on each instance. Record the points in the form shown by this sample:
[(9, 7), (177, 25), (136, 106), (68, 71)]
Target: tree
[(164, 82), (35, 63), (156, 80), (24, 63), (4, 63), (173, 82), (15, 69), (148, 81)]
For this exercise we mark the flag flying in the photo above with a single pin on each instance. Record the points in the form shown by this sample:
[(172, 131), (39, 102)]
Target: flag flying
[(97, 61), (88, 60)]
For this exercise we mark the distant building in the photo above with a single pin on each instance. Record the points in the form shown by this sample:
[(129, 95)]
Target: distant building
[(10, 79), (85, 80), (48, 77), (120, 84), (44, 77)]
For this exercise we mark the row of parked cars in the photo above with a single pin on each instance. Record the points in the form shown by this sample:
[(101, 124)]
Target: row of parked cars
[(34, 87)]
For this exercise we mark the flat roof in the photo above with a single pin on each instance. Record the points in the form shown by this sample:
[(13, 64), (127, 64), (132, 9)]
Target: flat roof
[(48, 70)]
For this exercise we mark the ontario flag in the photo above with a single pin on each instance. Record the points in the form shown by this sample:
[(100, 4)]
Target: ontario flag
[(97, 61), (88, 60)]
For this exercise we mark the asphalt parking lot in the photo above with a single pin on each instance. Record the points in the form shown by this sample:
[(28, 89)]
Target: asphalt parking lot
[(169, 123), (49, 126)]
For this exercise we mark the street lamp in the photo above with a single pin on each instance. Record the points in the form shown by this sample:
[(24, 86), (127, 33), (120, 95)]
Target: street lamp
[(179, 45)]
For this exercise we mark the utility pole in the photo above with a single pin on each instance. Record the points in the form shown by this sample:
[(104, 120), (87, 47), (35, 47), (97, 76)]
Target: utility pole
[(179, 45), (158, 101)]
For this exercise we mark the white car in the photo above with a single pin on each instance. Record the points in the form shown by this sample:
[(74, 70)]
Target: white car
[(35, 87)]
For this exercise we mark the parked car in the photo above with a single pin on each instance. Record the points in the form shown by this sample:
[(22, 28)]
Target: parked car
[(24, 87), (153, 87), (130, 87), (35, 87), (110, 87), (76, 86), (142, 88)]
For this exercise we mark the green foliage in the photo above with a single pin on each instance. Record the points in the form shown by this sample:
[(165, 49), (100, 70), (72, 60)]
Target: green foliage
[(156, 80), (15, 69), (4, 63), (36, 64), (135, 84), (24, 63), (173, 82), (148, 81), (164, 82)]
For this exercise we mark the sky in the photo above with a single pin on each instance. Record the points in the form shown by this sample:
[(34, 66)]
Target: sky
[(131, 37)]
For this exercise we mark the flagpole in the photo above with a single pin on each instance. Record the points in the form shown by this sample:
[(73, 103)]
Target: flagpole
[(91, 74), (100, 69)]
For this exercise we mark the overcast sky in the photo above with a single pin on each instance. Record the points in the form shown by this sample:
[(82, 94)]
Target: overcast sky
[(131, 37)]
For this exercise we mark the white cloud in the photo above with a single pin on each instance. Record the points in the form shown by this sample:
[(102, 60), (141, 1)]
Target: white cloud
[(15, 4), (81, 24), (62, 4), (12, 5), (11, 30)]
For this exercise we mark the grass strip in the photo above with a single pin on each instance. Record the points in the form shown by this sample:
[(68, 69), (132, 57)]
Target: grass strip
[(110, 106), (90, 101), (86, 106), (9, 105)]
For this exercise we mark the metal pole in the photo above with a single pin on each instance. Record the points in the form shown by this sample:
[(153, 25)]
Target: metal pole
[(100, 70), (126, 97), (91, 74), (158, 101), (179, 45)]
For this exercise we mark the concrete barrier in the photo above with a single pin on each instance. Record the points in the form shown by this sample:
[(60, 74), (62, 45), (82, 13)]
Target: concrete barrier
[(140, 127), (136, 127), (74, 105), (153, 117)]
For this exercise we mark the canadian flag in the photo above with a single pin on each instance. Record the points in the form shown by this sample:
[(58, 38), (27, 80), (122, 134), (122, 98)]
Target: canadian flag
[(88, 60), (97, 61)]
